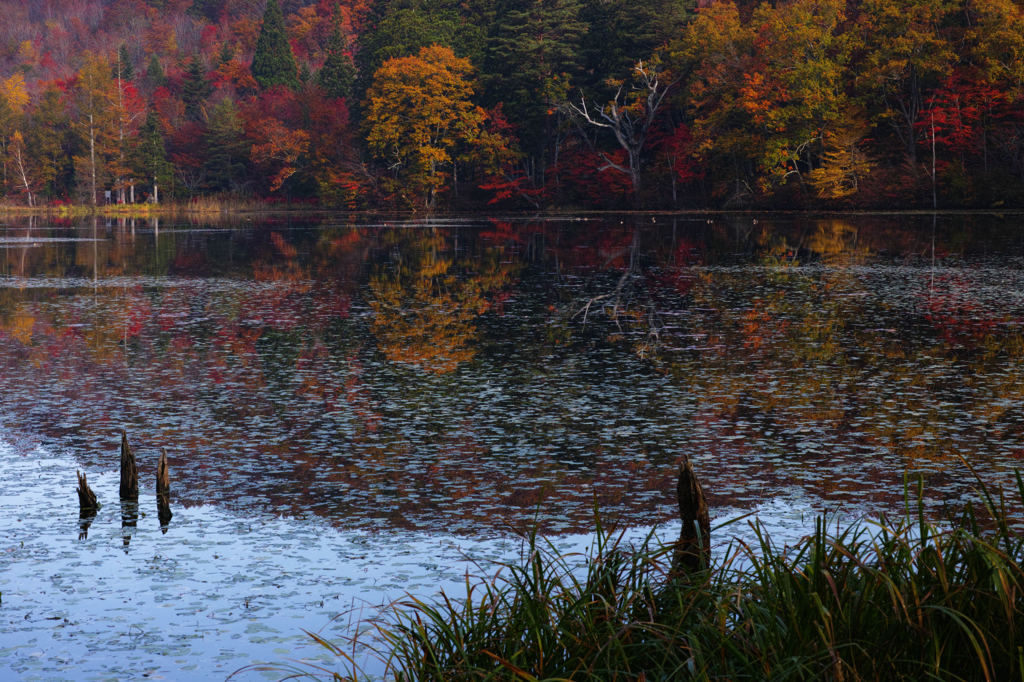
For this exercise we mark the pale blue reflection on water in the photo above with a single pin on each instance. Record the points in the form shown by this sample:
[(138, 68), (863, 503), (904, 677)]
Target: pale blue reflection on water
[(321, 467), (218, 590)]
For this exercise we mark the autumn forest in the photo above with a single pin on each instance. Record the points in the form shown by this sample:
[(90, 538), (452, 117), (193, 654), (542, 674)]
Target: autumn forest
[(514, 104)]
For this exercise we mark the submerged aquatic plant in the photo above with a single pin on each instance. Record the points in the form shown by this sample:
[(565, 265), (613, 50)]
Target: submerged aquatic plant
[(905, 599)]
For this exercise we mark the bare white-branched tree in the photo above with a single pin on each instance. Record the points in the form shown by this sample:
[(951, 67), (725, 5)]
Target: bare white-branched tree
[(630, 115), (16, 149)]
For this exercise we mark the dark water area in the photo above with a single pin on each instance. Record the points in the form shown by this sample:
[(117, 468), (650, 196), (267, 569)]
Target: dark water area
[(476, 374), (355, 409)]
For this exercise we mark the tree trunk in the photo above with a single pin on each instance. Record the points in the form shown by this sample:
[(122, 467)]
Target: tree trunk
[(92, 157)]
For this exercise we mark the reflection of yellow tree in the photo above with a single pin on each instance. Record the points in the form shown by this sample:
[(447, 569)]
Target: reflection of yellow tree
[(19, 327), (425, 307), (836, 243)]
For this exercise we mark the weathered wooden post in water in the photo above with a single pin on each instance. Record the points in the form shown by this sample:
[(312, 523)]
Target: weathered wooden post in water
[(87, 503), (129, 491), (693, 549), (129, 472), (163, 490)]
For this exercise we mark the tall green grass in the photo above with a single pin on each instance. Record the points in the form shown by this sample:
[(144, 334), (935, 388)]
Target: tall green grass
[(906, 599)]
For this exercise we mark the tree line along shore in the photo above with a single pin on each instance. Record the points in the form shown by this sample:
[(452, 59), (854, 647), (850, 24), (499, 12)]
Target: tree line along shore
[(665, 104)]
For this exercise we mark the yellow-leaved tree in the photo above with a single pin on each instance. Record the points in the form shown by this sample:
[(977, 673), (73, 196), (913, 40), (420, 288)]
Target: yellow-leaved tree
[(15, 92), (421, 119)]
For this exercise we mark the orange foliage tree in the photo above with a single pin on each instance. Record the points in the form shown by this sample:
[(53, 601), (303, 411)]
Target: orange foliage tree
[(420, 118)]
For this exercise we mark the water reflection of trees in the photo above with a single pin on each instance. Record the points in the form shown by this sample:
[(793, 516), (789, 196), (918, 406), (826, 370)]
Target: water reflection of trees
[(316, 369), (832, 374), (425, 301)]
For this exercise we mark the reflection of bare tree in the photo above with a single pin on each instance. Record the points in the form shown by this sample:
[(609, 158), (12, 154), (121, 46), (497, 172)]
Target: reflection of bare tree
[(425, 305), (612, 301)]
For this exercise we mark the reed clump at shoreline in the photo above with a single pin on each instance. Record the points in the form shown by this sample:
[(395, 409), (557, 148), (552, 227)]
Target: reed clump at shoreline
[(907, 599)]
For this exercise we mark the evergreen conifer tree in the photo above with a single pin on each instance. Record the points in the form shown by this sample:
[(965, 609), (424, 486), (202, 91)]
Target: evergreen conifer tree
[(338, 74), (226, 150), (226, 54), (155, 76), (124, 64), (195, 89), (273, 62), (151, 156)]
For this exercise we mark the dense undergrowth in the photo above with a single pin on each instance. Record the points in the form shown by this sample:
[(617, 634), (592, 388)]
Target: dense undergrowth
[(903, 599)]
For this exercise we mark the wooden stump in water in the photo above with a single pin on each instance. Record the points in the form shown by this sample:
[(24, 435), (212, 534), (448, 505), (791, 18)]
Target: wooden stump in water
[(129, 472), (163, 477), (87, 503), (693, 549), (163, 490)]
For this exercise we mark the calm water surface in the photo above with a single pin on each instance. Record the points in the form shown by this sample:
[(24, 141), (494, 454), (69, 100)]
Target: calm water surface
[(353, 408)]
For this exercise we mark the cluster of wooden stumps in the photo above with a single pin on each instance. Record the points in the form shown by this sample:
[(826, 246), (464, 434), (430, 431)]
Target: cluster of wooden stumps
[(692, 551), (88, 505)]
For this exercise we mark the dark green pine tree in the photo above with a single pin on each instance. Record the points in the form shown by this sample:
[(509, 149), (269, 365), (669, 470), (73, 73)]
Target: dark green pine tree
[(533, 66), (273, 62), (338, 73), (226, 54), (225, 148), (155, 77), (623, 32), (151, 156), (405, 26), (124, 64), (195, 88)]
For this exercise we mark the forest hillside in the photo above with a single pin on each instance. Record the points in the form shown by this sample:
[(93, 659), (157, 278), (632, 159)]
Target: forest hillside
[(514, 103)]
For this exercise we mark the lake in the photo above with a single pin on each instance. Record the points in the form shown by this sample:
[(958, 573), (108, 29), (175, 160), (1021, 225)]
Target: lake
[(354, 408)]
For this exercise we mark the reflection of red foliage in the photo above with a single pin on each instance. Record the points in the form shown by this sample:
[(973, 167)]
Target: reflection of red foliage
[(346, 241), (761, 328), (504, 232), (607, 248), (189, 261), (959, 320), (679, 277), (138, 312)]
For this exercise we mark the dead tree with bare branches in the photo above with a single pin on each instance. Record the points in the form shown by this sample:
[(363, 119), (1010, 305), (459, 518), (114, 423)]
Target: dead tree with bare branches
[(630, 116)]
